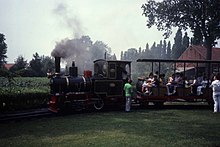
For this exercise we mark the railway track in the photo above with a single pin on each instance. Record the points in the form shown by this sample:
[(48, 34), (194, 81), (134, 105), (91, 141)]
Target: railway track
[(25, 115)]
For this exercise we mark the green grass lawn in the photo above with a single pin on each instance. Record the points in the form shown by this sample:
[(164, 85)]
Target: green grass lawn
[(167, 127)]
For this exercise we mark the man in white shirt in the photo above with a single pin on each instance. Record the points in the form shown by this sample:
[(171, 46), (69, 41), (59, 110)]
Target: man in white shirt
[(216, 92)]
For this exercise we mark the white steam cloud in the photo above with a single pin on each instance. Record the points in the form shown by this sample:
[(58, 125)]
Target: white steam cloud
[(71, 21), (71, 49)]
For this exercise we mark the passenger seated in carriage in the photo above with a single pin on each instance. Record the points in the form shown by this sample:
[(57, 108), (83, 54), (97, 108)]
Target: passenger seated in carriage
[(196, 83), (203, 85), (176, 80), (146, 87), (151, 76), (151, 81), (170, 84), (186, 82), (179, 79), (155, 81), (162, 82)]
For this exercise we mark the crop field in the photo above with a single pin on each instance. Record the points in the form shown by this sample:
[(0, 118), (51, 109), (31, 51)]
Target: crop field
[(23, 93), (139, 128), (23, 85)]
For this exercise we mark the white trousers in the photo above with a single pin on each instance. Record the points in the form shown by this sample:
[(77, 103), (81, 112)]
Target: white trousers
[(216, 98), (128, 104)]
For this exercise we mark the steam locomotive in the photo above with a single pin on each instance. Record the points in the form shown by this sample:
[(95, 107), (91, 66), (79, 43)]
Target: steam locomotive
[(104, 87)]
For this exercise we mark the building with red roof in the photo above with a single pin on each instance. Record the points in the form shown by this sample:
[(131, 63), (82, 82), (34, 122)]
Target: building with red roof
[(9, 65), (198, 52)]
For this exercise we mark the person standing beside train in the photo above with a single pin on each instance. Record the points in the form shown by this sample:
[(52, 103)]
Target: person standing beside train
[(128, 94), (215, 85)]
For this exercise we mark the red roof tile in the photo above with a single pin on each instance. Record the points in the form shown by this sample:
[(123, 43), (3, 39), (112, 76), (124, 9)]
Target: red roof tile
[(9, 65), (199, 52)]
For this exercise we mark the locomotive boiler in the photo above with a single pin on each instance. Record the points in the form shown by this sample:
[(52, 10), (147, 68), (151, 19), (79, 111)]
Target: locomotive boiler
[(78, 92)]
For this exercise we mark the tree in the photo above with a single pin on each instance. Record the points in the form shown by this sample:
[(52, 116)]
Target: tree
[(160, 48), (122, 55), (153, 49), (132, 54), (197, 38), (164, 50), (140, 50), (48, 64), (36, 65), (169, 50), (3, 50), (177, 46), (114, 57), (197, 15), (86, 40), (99, 49), (20, 64), (146, 53), (147, 47), (185, 41)]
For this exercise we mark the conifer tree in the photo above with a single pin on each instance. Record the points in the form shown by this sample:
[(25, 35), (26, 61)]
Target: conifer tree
[(177, 46), (169, 50), (3, 50)]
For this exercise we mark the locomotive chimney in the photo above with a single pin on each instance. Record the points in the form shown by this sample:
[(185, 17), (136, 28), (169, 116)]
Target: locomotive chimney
[(57, 65)]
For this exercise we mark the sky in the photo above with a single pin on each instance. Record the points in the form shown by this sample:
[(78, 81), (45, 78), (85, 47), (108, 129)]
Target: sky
[(32, 26)]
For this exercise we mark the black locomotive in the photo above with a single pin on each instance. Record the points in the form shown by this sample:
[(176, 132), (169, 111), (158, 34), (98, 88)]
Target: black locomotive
[(104, 87)]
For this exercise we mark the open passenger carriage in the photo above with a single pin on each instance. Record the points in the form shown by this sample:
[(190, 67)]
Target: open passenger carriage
[(187, 91)]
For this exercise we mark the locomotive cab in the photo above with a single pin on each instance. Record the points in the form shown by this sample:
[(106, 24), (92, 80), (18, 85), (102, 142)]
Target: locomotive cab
[(112, 69), (109, 79)]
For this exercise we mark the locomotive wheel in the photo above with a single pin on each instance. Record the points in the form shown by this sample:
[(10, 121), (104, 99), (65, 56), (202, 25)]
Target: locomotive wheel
[(99, 104), (78, 109), (77, 106)]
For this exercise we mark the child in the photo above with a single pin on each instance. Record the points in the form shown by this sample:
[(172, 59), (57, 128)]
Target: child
[(146, 86)]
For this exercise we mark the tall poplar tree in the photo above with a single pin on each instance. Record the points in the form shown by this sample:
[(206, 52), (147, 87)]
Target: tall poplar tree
[(185, 41), (177, 46), (169, 50), (3, 50), (164, 52)]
